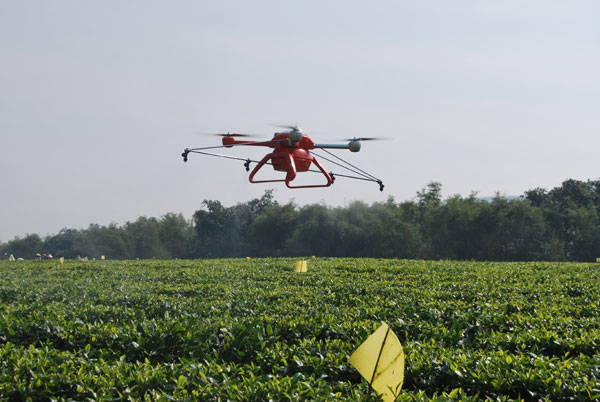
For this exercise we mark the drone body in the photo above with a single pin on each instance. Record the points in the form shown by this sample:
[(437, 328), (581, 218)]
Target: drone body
[(291, 154)]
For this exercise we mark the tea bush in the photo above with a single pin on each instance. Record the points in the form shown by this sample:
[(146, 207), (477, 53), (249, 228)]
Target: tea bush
[(253, 330)]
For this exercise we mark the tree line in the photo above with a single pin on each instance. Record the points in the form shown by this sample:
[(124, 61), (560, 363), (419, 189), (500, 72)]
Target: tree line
[(556, 225)]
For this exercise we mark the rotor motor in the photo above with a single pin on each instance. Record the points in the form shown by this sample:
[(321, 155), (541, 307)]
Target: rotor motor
[(354, 146)]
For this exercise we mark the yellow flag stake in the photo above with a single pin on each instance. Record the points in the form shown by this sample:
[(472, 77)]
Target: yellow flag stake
[(300, 266), (383, 369), (379, 355)]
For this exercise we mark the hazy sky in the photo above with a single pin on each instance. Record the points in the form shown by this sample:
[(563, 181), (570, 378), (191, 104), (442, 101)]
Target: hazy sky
[(98, 100)]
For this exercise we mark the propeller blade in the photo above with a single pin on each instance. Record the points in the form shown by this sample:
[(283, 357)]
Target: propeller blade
[(365, 139), (234, 135), (227, 134), (289, 127)]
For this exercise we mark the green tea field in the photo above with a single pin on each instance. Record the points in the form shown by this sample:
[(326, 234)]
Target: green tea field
[(253, 330)]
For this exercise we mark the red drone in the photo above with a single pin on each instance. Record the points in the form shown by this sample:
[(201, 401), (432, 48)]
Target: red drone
[(292, 154)]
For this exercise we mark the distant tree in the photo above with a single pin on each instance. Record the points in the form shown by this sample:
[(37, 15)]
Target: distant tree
[(257, 205), (430, 195), (26, 247), (213, 230), (455, 229), (220, 231), (314, 231), (144, 237), (578, 192), (518, 232), (419, 245), (269, 232), (110, 241), (356, 226), (595, 187), (560, 224), (175, 234), (62, 244), (572, 213), (391, 233), (538, 197), (429, 200), (243, 215), (581, 233)]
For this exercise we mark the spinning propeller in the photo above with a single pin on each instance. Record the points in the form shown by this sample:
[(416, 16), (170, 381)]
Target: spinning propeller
[(234, 135), (293, 128), (295, 132), (364, 139)]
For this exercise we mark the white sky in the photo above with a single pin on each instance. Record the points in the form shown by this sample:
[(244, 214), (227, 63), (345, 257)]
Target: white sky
[(98, 100)]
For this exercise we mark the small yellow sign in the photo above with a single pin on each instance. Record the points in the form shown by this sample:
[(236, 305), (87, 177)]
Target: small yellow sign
[(300, 266), (598, 259), (102, 257), (62, 260), (380, 360)]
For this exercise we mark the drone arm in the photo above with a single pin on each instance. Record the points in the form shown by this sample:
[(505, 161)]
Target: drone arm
[(231, 141), (332, 146), (353, 146)]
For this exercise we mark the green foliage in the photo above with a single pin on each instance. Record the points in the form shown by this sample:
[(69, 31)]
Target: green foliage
[(557, 225), (222, 231), (174, 234), (573, 213), (268, 232), (250, 330), (27, 247), (431, 195)]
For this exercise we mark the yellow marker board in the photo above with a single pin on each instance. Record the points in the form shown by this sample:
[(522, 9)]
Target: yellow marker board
[(380, 360), (62, 260), (300, 266), (102, 258), (598, 259)]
